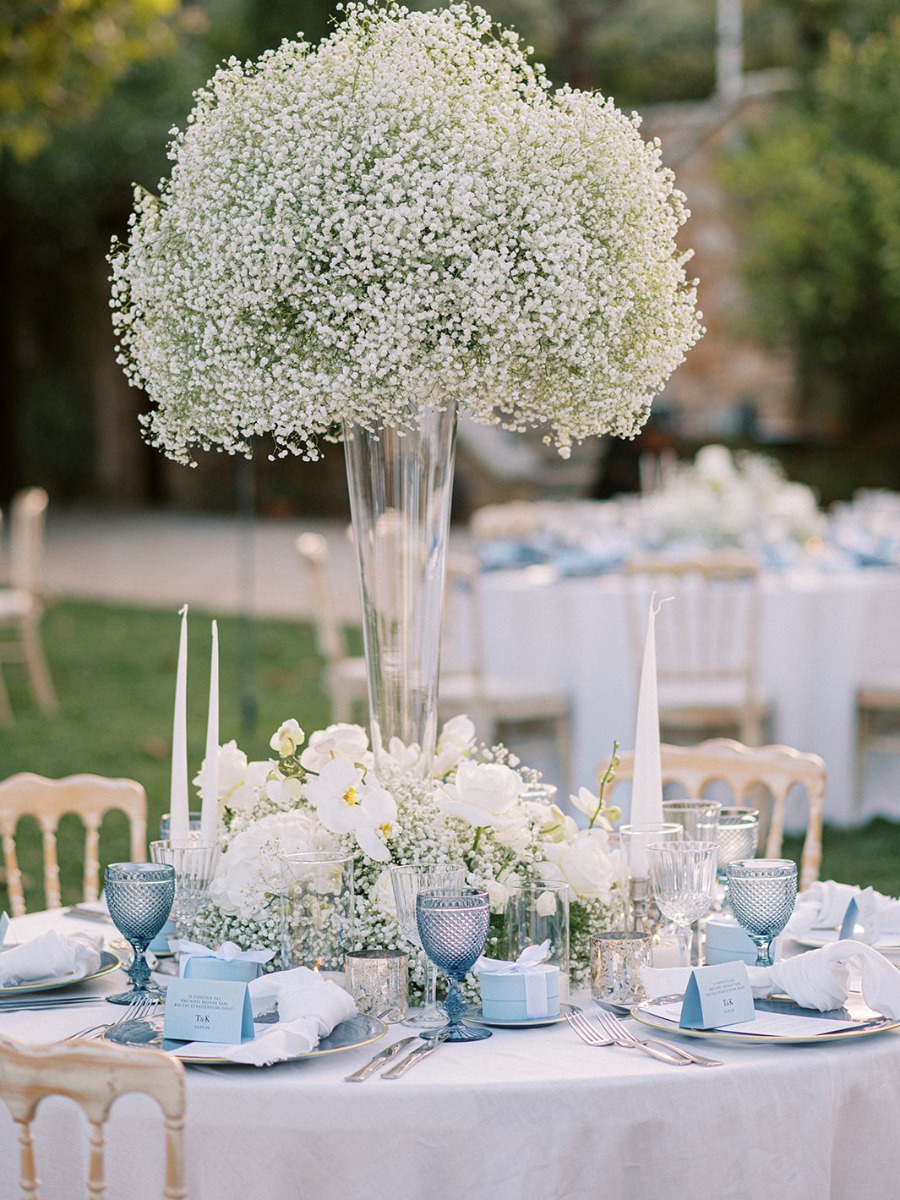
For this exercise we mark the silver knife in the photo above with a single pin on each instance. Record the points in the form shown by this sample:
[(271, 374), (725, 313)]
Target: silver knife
[(379, 1060), (428, 1047)]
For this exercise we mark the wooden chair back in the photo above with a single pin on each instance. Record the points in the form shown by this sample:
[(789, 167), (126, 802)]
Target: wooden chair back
[(94, 1076), (706, 639), (89, 797), (778, 769), (26, 538)]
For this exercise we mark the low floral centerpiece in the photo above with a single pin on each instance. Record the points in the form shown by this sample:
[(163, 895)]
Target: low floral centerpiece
[(726, 498), (323, 794)]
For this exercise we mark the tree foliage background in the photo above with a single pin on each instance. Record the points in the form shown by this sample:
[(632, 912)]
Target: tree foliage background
[(89, 90)]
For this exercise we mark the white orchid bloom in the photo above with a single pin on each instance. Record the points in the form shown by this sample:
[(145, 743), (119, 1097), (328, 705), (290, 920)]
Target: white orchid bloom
[(482, 794), (288, 737), (455, 741), (346, 803), (337, 741)]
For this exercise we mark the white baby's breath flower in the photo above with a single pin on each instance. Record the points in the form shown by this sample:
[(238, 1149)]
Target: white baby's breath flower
[(405, 214)]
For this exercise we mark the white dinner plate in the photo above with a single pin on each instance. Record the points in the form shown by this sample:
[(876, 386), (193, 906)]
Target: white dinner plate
[(108, 962), (865, 1022), (357, 1031), (814, 939), (477, 1018)]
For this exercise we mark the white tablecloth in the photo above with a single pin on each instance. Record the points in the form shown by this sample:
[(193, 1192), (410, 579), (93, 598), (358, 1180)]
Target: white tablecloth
[(821, 634), (532, 1114)]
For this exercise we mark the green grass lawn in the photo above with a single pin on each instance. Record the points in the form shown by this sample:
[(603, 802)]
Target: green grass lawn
[(114, 671)]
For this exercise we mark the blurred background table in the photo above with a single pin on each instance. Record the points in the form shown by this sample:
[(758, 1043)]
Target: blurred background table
[(822, 633)]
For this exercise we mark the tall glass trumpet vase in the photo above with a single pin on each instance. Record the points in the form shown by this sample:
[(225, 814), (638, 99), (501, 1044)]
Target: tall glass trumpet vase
[(139, 897), (453, 925), (763, 892), (682, 875), (194, 864), (400, 487), (407, 882)]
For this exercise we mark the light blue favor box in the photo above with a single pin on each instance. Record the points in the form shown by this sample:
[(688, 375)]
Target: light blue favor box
[(727, 942), (503, 996), (160, 944), (239, 970)]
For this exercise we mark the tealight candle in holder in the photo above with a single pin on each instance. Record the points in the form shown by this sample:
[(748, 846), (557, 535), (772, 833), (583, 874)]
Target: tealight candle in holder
[(377, 981)]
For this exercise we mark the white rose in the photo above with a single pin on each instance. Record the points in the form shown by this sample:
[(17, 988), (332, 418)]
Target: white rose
[(514, 837), (498, 894), (585, 864), (482, 794)]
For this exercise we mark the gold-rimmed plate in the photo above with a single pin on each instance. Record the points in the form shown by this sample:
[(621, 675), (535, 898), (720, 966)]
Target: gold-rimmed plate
[(109, 962), (347, 1035), (814, 939), (476, 1017), (861, 1021)]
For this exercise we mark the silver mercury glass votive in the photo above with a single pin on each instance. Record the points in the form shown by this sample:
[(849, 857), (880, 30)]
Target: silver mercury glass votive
[(377, 981)]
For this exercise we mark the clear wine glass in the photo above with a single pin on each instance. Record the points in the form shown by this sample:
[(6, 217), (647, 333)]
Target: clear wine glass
[(683, 875), (738, 838), (453, 925), (407, 882), (698, 818), (195, 865), (139, 897), (763, 892)]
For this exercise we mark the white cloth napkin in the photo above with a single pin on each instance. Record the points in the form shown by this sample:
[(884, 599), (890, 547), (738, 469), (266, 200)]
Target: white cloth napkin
[(50, 955), (823, 905), (819, 979), (309, 1007)]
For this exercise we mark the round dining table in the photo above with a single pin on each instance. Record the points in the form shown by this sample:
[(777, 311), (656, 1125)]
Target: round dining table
[(821, 634), (530, 1113)]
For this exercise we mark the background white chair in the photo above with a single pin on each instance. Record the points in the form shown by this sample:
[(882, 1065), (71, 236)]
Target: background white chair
[(90, 797), (93, 1076), (877, 724), (495, 705), (745, 770), (706, 642), (21, 604), (345, 673)]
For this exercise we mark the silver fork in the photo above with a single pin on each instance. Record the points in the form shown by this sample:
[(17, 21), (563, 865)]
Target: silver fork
[(141, 1006), (622, 1036), (593, 1037)]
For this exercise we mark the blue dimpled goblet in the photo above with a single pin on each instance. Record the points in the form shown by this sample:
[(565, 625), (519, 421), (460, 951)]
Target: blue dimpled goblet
[(762, 893), (453, 925), (139, 897)]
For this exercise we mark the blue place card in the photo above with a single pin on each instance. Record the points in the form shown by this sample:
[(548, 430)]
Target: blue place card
[(4, 925), (208, 1010), (717, 996), (849, 923)]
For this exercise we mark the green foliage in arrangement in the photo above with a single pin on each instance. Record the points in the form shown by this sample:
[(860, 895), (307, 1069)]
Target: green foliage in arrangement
[(817, 192), (114, 672)]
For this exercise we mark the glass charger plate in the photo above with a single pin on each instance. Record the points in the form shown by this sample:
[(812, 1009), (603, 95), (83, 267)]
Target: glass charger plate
[(108, 962), (816, 938), (475, 1016), (865, 1022), (357, 1031)]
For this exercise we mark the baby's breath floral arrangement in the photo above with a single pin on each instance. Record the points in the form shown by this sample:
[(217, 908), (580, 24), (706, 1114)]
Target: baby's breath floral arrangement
[(471, 809), (406, 215)]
